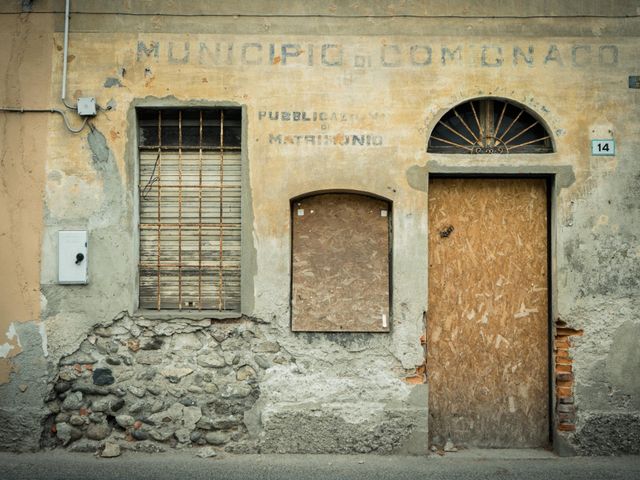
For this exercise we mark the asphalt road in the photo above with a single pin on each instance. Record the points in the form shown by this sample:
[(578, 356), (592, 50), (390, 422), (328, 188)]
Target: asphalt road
[(184, 465)]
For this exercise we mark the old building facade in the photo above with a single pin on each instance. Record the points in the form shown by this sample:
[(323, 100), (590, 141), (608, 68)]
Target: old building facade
[(320, 227)]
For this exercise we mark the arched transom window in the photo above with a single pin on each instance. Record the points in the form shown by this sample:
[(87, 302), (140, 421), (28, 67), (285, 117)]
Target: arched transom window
[(489, 125)]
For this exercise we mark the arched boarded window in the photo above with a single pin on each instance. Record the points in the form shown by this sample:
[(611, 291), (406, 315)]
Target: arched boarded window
[(340, 263), (489, 125)]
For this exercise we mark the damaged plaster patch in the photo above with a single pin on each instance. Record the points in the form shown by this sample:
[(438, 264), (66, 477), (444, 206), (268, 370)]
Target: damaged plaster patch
[(623, 360), (104, 163), (608, 434), (11, 333), (112, 82), (334, 431), (8, 347), (22, 409), (5, 348), (64, 332), (417, 177), (99, 148)]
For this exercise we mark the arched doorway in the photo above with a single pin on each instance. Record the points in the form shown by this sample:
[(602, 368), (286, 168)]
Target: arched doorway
[(488, 321)]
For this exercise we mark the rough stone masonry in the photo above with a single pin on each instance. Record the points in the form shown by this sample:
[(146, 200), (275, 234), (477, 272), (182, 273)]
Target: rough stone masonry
[(150, 384), (147, 385)]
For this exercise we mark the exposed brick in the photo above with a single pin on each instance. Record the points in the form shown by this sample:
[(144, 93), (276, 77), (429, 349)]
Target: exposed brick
[(415, 379), (564, 361), (566, 417), (564, 391), (565, 408), (565, 331), (567, 427)]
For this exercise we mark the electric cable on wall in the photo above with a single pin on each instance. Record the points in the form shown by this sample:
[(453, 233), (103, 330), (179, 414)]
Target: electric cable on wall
[(48, 110)]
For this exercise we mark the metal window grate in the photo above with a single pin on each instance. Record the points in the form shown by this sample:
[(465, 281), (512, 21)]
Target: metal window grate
[(190, 214), (489, 126)]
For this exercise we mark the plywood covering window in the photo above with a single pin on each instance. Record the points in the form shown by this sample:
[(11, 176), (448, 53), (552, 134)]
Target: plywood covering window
[(190, 197), (340, 264)]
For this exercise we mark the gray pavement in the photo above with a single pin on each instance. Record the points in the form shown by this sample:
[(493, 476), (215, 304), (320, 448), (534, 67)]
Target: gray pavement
[(472, 465)]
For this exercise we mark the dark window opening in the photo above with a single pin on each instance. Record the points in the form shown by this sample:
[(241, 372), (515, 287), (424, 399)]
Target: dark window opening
[(489, 126)]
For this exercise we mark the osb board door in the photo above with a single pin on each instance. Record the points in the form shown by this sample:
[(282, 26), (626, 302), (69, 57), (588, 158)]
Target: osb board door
[(340, 264), (487, 328)]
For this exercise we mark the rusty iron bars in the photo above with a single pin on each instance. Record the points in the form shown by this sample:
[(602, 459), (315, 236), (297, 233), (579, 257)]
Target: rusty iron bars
[(196, 175)]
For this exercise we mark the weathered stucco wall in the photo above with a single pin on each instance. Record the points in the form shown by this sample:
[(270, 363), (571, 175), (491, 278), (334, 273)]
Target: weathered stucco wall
[(388, 79), (25, 60)]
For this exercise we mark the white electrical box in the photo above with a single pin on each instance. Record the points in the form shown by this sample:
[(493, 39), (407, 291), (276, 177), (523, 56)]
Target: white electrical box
[(72, 256), (86, 106)]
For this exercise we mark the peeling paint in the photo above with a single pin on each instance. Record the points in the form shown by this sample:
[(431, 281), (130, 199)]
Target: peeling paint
[(112, 82), (10, 349), (11, 333), (5, 348)]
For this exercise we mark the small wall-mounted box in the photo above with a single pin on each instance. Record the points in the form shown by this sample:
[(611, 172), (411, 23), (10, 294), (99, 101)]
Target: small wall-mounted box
[(87, 106), (72, 257)]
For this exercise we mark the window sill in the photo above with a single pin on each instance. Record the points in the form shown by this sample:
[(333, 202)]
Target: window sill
[(186, 315)]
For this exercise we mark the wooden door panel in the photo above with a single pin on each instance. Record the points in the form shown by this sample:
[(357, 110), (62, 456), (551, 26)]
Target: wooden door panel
[(487, 329)]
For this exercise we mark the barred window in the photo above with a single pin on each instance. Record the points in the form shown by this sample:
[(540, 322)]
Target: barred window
[(489, 126), (190, 197)]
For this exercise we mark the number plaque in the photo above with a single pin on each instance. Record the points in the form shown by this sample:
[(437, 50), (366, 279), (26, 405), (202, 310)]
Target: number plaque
[(603, 147)]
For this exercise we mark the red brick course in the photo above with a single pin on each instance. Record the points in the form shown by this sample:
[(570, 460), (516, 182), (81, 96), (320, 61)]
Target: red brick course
[(563, 371)]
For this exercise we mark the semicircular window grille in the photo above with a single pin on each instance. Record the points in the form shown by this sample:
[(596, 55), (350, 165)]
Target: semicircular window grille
[(489, 126)]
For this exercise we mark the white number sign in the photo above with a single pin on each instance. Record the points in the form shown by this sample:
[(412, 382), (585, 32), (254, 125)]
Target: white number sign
[(603, 147)]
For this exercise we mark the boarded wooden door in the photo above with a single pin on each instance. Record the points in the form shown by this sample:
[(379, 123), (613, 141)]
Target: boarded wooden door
[(487, 329)]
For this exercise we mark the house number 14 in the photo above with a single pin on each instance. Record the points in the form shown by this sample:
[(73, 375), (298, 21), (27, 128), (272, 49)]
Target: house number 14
[(603, 147)]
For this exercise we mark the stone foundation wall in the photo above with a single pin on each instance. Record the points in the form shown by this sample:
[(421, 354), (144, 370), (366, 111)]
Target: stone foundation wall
[(150, 384)]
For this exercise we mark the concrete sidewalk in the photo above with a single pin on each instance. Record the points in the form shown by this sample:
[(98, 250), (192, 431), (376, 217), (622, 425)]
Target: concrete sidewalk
[(469, 465)]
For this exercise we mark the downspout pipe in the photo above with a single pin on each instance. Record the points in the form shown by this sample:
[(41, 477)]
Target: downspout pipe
[(63, 93)]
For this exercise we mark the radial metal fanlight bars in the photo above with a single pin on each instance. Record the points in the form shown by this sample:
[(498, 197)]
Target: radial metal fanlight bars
[(489, 126)]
